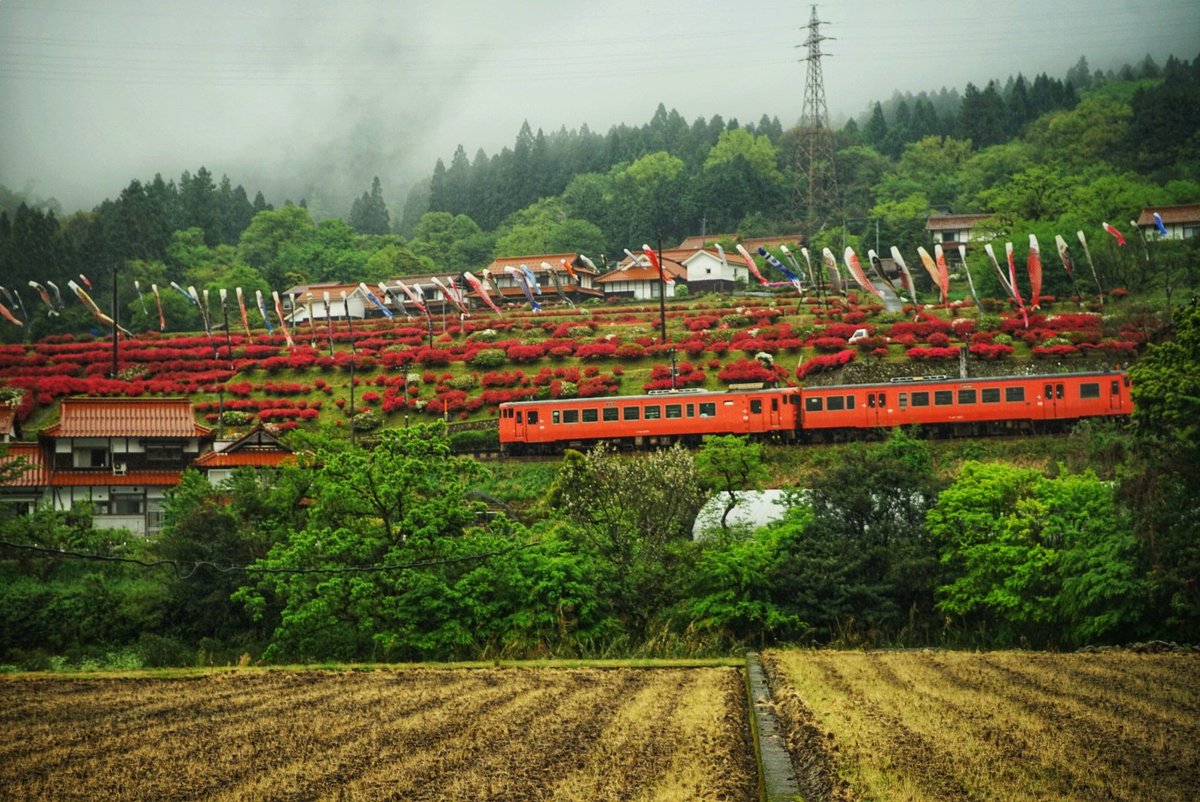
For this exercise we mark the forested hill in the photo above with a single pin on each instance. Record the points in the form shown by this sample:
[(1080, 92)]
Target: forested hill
[(1058, 154)]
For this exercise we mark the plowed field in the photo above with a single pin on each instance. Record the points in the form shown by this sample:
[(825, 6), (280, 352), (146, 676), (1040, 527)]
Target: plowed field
[(416, 734), (1000, 726)]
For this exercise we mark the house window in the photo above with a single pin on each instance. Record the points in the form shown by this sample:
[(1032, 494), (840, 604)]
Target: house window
[(1191, 230), (164, 452), (98, 457)]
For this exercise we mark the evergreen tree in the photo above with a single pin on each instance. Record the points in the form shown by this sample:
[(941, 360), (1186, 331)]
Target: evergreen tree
[(369, 214), (876, 128)]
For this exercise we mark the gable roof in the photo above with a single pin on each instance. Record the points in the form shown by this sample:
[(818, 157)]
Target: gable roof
[(126, 417), (953, 222), (641, 271), (335, 290), (534, 263), (752, 243), (257, 448), (1185, 213)]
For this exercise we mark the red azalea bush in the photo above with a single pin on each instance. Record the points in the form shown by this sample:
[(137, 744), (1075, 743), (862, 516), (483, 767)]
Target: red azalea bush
[(746, 370), (1052, 351), (602, 350), (524, 353), (938, 340), (931, 354), (825, 362), (990, 351)]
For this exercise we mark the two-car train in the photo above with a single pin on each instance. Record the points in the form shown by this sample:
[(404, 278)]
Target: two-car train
[(955, 406)]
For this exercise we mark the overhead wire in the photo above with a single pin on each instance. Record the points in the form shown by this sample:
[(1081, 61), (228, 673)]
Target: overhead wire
[(177, 566)]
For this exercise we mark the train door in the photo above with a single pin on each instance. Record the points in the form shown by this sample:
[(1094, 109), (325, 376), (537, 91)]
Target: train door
[(1115, 403), (775, 420), (876, 409), (1053, 400)]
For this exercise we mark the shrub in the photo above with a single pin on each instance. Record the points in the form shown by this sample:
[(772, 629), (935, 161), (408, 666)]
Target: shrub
[(932, 354), (746, 370), (475, 440), (990, 351), (488, 358), (825, 362)]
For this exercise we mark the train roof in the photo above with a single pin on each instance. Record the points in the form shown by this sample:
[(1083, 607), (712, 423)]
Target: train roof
[(907, 381), (684, 394), (916, 381)]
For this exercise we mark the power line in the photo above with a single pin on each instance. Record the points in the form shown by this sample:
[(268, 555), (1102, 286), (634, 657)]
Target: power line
[(195, 565)]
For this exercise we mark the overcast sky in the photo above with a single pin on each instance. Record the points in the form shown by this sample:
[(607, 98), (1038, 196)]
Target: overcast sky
[(313, 98)]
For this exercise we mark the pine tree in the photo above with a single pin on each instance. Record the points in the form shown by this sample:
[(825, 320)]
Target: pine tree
[(369, 214)]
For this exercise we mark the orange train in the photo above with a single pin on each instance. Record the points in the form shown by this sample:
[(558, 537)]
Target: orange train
[(803, 414)]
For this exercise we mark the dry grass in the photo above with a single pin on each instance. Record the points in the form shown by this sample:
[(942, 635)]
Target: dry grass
[(414, 734), (999, 726)]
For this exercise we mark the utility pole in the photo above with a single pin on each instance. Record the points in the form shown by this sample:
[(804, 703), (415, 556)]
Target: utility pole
[(115, 319), (662, 294), (815, 168)]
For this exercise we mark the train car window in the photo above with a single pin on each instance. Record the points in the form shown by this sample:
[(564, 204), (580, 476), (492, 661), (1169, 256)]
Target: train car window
[(591, 415), (691, 410), (943, 398), (570, 416), (871, 400), (674, 411), (532, 416), (611, 413), (555, 417), (903, 400), (756, 406), (653, 412), (633, 413), (1048, 393), (920, 399), (708, 410), (882, 400), (774, 404), (990, 395), (1089, 390), (966, 396), (835, 403), (1115, 390), (1058, 391), (849, 402), (812, 404), (1014, 393), (518, 417)]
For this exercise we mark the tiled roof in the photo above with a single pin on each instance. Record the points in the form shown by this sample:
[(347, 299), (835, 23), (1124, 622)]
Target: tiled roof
[(952, 222), (643, 273), (1187, 213), (244, 459), (106, 478), (534, 263), (126, 417), (35, 474), (333, 288), (697, 242)]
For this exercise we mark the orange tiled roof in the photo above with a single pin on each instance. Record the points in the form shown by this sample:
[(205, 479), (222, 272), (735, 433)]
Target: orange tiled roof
[(96, 478), (534, 263), (333, 288), (244, 459), (126, 417), (1187, 213), (35, 474)]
